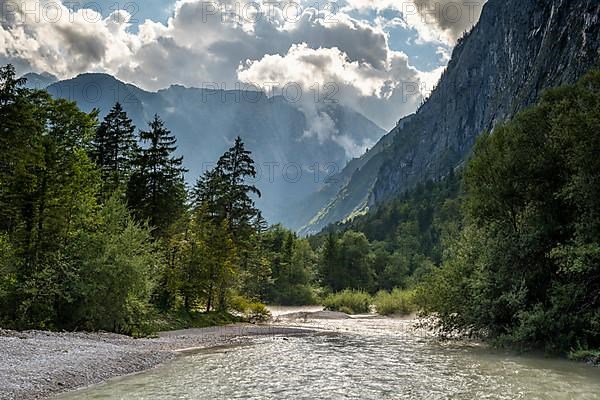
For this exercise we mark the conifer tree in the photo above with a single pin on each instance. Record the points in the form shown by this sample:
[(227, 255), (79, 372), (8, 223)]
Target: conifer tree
[(236, 166), (223, 197), (331, 262), (156, 189), (114, 149)]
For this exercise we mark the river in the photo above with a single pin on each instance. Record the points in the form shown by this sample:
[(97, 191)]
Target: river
[(366, 358)]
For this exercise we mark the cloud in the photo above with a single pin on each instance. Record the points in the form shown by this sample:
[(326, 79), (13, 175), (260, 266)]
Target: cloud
[(332, 76), (439, 21), (450, 16), (46, 36), (230, 41)]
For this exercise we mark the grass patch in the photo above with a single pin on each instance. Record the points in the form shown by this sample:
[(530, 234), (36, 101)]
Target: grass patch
[(401, 302), (349, 302)]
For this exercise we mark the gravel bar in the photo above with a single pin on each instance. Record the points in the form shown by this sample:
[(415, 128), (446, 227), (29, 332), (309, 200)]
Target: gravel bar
[(40, 364)]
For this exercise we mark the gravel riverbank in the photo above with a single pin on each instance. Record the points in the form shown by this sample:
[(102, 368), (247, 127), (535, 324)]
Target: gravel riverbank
[(39, 365)]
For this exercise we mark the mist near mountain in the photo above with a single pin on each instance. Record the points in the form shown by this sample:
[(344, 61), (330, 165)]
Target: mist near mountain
[(297, 145)]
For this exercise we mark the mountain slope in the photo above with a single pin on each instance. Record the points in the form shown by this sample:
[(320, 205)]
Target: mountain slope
[(206, 122), (518, 49), (39, 81)]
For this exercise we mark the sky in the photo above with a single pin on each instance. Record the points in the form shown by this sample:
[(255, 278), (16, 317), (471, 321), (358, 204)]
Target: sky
[(380, 57)]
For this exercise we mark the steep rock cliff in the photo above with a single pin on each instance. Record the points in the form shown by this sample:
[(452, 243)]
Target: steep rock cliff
[(518, 49)]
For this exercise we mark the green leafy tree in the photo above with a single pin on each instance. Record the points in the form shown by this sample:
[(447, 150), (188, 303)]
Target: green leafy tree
[(48, 192), (526, 270), (114, 267), (356, 262)]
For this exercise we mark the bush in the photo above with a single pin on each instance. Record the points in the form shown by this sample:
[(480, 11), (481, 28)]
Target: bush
[(257, 312), (397, 302), (349, 302), (253, 311), (112, 268)]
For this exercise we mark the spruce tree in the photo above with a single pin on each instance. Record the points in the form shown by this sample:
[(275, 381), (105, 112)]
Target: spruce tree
[(225, 193), (114, 149), (156, 189), (236, 167), (223, 197)]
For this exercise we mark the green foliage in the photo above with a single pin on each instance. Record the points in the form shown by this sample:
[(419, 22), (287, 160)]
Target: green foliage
[(182, 319), (223, 206), (114, 149), (8, 272), (395, 245), (347, 263), (114, 263), (526, 271), (156, 190), (588, 356), (419, 222), (401, 302), (293, 267), (349, 302), (253, 311), (48, 188), (72, 256)]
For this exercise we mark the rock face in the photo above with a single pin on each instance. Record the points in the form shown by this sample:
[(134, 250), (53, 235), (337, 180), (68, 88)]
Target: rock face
[(518, 49), (206, 122)]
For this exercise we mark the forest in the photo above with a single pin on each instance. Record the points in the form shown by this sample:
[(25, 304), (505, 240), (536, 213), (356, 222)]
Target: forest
[(99, 230)]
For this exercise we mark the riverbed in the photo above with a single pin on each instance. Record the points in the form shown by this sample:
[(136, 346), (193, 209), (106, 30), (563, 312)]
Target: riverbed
[(39, 364), (354, 358)]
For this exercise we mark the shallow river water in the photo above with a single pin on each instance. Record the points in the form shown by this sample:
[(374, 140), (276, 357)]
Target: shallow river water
[(355, 359)]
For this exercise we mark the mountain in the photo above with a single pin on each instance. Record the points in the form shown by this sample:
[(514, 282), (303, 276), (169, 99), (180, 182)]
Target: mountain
[(292, 157), (39, 81), (518, 49)]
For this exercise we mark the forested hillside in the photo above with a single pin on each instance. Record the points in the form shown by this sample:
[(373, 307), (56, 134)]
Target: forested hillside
[(526, 268)]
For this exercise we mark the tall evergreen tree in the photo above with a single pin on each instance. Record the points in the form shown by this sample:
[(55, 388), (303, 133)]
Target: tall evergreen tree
[(156, 189), (209, 193), (223, 197), (114, 149), (236, 167)]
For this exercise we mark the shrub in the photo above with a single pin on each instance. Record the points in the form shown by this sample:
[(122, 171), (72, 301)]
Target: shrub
[(112, 268), (349, 302), (253, 311), (257, 312), (397, 302), (183, 319)]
